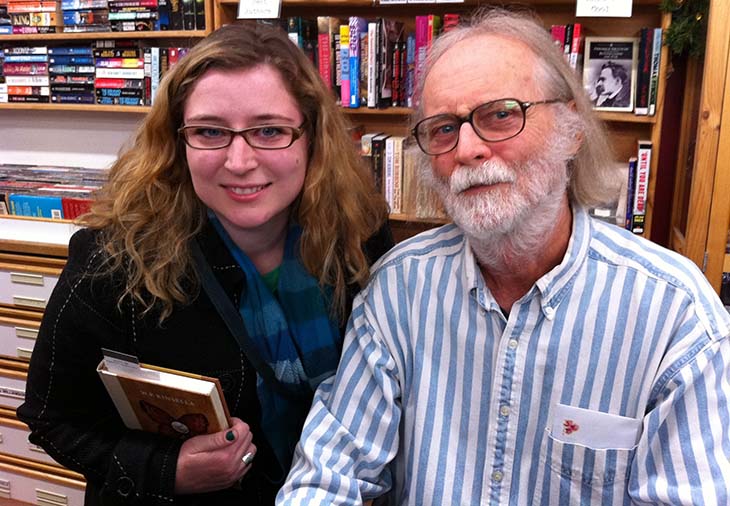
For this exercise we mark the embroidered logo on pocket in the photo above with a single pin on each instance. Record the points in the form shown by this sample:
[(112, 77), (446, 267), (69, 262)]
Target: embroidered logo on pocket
[(569, 426)]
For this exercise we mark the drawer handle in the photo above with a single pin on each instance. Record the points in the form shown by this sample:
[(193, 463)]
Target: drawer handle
[(46, 497), (23, 278), (5, 488), (26, 332), (29, 301), (23, 353)]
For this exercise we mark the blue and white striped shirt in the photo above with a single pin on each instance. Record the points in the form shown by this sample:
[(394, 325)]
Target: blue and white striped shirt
[(608, 383)]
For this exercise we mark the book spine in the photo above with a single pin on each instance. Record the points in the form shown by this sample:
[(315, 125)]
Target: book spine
[(345, 64), (576, 47), (630, 192), (643, 73), (655, 61), (388, 172), (354, 57), (323, 51), (372, 68), (397, 175), (641, 186)]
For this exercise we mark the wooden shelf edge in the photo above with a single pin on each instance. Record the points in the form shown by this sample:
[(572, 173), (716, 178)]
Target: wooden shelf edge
[(162, 34), (34, 248), (376, 4), (726, 263), (134, 109)]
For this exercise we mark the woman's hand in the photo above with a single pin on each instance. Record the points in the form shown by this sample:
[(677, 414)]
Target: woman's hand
[(214, 461)]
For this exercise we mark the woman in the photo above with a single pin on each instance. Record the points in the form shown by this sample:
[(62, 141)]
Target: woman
[(243, 170)]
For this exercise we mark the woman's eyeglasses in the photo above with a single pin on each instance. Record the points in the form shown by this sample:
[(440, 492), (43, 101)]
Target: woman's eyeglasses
[(259, 137)]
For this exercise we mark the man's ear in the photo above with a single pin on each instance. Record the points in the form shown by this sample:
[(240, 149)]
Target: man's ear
[(578, 140)]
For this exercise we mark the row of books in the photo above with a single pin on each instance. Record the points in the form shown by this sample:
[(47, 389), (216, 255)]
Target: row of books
[(393, 164), (51, 16), (621, 74), (108, 72), (368, 63), (48, 191)]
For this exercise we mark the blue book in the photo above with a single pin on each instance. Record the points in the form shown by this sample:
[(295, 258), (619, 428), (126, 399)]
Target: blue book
[(25, 58), (358, 29), (68, 51), (71, 60), (410, 73), (40, 206)]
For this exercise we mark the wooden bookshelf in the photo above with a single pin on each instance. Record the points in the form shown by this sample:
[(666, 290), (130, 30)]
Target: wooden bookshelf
[(72, 36)]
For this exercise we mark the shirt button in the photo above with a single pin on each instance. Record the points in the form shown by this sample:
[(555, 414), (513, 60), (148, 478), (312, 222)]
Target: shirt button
[(549, 312), (512, 343), (504, 410), (496, 476)]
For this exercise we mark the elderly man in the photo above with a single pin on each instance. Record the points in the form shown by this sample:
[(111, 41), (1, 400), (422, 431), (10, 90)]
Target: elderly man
[(526, 354)]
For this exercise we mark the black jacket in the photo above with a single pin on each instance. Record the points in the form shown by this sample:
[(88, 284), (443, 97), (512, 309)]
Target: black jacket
[(70, 413)]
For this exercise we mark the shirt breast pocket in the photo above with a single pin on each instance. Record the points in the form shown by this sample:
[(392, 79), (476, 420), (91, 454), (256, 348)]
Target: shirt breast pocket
[(586, 457)]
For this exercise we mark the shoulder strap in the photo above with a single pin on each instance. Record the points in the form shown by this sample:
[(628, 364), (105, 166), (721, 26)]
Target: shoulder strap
[(233, 320)]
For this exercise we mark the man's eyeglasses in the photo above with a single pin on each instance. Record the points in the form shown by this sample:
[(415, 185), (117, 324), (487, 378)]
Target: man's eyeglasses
[(259, 137), (494, 121)]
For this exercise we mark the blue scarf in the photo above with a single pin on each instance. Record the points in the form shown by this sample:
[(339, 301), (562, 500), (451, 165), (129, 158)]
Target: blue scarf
[(294, 334)]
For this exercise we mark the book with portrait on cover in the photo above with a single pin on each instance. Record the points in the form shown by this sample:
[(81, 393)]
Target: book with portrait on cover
[(609, 72), (164, 401)]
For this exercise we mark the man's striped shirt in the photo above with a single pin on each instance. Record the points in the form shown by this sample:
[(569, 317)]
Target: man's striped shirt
[(608, 383)]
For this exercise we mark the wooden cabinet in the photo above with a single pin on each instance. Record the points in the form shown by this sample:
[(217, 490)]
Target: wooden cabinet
[(701, 214)]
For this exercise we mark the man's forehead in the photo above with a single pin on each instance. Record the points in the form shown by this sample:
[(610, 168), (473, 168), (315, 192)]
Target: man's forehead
[(477, 69)]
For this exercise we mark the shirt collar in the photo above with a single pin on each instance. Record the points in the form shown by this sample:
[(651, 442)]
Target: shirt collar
[(553, 286)]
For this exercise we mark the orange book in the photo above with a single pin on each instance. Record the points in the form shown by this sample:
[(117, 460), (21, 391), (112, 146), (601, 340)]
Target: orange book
[(164, 401)]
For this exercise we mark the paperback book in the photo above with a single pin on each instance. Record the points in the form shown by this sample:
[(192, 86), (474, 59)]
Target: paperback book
[(609, 72)]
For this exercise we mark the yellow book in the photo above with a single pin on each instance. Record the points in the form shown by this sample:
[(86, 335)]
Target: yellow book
[(165, 401)]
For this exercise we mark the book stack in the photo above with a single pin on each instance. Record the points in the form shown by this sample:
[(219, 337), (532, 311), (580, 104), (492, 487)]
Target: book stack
[(71, 74), (650, 49), (120, 75), (133, 15), (85, 16), (393, 165), (24, 67), (48, 192), (34, 16)]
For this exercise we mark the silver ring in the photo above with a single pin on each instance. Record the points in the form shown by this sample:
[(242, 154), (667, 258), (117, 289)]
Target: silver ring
[(248, 458)]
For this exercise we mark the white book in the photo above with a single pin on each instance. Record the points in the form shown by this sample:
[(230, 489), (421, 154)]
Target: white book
[(388, 172), (120, 73), (641, 186), (26, 80), (397, 206), (372, 77)]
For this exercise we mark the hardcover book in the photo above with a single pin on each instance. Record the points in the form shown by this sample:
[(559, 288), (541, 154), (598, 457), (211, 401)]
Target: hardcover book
[(164, 401), (609, 72)]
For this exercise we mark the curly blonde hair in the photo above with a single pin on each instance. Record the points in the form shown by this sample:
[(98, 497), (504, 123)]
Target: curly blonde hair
[(148, 212)]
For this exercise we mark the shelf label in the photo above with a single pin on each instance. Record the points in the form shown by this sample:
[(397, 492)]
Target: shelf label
[(603, 8), (259, 9)]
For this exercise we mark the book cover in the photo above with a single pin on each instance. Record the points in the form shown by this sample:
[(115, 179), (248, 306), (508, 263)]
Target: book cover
[(358, 26), (164, 401), (609, 73)]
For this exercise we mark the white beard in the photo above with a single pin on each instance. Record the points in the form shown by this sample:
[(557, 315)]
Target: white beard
[(514, 220)]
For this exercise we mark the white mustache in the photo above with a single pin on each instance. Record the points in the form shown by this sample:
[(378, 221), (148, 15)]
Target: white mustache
[(488, 173)]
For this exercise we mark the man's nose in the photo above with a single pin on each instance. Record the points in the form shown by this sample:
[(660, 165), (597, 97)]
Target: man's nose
[(470, 146)]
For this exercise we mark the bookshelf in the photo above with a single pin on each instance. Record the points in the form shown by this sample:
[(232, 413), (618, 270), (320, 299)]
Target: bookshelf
[(624, 128)]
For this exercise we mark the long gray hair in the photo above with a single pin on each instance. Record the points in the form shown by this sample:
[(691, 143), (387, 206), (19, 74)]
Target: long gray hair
[(592, 170)]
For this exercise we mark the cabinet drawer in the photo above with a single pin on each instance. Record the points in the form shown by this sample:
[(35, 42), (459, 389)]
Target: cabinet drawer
[(14, 441), (17, 337), (37, 484), (24, 286)]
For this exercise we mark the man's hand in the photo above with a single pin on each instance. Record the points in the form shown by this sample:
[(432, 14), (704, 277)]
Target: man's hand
[(214, 461)]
